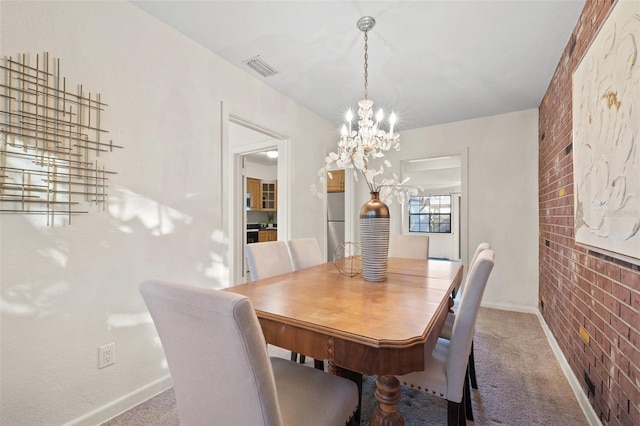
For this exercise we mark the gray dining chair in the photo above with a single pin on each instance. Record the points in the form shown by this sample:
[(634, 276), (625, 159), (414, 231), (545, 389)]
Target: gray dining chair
[(445, 373), (305, 253), (221, 370), (409, 246), (448, 324), (268, 259)]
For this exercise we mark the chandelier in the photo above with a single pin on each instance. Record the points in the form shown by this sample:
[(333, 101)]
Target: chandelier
[(369, 136)]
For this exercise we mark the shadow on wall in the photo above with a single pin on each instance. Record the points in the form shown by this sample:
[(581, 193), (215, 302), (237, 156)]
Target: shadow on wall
[(53, 253)]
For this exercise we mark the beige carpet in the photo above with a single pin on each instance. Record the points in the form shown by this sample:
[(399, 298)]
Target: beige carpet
[(519, 383)]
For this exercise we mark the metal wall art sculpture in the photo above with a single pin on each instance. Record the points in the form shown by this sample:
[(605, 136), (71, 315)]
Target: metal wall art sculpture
[(52, 146)]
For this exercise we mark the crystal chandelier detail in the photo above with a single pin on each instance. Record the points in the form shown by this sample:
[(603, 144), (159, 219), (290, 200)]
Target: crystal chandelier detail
[(369, 136)]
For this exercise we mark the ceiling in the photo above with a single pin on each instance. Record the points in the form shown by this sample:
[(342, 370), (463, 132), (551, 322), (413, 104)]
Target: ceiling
[(432, 62)]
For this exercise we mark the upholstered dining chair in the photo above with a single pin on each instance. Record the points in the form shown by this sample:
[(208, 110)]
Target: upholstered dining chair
[(448, 324), (409, 246), (478, 250), (268, 259), (445, 372), (305, 252), (221, 370)]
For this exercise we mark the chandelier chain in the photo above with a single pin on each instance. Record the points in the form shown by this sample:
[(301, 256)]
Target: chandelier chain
[(366, 65)]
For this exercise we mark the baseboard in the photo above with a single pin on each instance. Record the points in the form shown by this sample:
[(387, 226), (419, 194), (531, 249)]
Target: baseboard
[(122, 404), (588, 410), (509, 307)]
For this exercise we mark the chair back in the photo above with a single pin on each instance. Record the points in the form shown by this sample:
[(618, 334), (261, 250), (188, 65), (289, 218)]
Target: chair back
[(217, 355), (305, 252), (409, 246), (268, 259), (465, 322), (481, 247)]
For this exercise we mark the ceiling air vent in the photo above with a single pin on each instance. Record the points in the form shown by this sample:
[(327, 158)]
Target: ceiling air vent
[(260, 66)]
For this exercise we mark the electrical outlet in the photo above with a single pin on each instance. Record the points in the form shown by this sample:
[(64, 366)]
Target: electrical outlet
[(106, 355)]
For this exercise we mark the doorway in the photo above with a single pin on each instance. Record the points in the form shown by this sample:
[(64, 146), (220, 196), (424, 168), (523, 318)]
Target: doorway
[(439, 176), (248, 147), (260, 219)]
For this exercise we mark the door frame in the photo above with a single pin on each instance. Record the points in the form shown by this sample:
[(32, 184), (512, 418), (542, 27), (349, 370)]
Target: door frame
[(235, 189)]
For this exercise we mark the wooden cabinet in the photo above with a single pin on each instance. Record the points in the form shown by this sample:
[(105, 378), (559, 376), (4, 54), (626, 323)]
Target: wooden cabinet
[(269, 196), (263, 195), (335, 181), (254, 190), (267, 235)]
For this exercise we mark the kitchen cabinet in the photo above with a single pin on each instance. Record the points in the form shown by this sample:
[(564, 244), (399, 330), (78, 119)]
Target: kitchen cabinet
[(335, 182), (269, 196), (267, 235), (254, 192)]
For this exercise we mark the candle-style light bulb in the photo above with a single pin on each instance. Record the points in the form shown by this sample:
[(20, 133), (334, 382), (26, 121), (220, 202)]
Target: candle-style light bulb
[(392, 122), (349, 118), (343, 131), (379, 117)]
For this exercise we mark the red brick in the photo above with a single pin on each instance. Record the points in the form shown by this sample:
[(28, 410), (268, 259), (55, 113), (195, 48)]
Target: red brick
[(634, 412), (629, 390), (628, 315), (619, 326), (622, 293), (631, 353), (635, 339), (630, 278), (635, 302), (613, 271), (624, 418), (634, 375)]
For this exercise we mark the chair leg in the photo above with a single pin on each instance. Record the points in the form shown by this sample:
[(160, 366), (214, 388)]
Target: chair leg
[(466, 397), (302, 359), (318, 364), (294, 356), (472, 369), (455, 414)]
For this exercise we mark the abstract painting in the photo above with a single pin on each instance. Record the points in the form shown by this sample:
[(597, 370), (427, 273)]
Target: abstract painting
[(606, 144)]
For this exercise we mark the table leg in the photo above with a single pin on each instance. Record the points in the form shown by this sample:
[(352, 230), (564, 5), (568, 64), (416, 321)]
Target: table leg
[(388, 396), (354, 377)]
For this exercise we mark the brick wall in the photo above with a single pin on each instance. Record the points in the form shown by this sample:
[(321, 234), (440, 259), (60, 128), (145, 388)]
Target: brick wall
[(591, 302)]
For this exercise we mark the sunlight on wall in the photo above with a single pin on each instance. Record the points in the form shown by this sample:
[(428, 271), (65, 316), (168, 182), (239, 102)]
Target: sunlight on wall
[(58, 257), (217, 268), (25, 300), (128, 206), (119, 320)]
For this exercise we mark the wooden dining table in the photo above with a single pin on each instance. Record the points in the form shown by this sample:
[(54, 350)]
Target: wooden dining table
[(383, 328)]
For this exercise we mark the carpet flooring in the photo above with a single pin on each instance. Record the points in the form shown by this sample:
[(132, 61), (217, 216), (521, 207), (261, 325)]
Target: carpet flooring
[(519, 383)]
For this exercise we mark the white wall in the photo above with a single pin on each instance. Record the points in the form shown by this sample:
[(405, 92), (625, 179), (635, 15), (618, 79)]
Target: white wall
[(502, 174), (67, 290)]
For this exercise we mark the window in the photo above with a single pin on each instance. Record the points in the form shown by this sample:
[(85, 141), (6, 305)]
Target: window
[(430, 214)]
